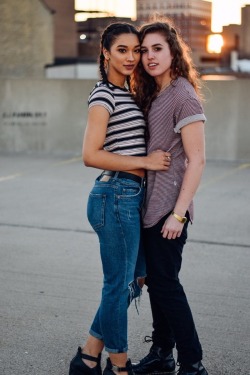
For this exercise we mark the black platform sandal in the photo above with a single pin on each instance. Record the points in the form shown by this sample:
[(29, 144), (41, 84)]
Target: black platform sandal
[(111, 369), (78, 367)]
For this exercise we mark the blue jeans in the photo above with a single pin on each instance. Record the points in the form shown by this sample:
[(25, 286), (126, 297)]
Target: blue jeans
[(114, 213), (173, 322)]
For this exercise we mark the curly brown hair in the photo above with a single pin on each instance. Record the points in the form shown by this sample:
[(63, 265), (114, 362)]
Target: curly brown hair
[(145, 87)]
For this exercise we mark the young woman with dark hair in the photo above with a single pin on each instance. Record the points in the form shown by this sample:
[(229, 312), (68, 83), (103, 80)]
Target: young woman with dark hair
[(167, 89), (114, 141)]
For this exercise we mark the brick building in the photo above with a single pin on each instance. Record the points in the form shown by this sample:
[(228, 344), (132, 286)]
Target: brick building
[(92, 28), (237, 37), (236, 48), (192, 19), (26, 38), (245, 36), (65, 30)]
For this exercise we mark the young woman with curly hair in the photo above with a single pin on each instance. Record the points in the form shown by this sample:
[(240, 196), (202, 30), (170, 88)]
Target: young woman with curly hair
[(167, 89)]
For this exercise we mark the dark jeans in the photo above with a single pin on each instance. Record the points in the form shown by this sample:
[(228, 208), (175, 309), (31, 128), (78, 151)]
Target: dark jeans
[(172, 318)]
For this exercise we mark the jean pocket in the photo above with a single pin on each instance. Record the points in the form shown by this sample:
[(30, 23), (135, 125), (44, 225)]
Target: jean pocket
[(95, 210), (130, 191)]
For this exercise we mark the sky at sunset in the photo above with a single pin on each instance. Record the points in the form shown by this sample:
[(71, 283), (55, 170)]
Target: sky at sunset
[(224, 12)]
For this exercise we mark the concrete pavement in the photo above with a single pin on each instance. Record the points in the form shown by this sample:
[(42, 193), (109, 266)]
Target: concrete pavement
[(51, 278)]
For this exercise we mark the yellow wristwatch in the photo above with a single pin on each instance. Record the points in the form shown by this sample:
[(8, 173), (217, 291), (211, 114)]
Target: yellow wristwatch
[(181, 219)]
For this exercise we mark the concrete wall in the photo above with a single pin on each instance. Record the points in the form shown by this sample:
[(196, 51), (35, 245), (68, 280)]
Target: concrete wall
[(50, 115), (43, 115), (228, 113)]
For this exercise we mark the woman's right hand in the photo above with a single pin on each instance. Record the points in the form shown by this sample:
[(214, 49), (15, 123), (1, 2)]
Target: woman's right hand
[(158, 160)]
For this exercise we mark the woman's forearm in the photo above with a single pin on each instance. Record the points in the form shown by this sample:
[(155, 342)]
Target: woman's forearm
[(101, 159), (190, 184)]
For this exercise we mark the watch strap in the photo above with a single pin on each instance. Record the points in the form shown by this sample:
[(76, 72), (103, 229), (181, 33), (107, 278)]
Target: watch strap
[(181, 219)]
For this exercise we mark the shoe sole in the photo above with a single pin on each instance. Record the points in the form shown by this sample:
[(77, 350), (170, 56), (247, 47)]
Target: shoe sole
[(156, 373), (75, 371)]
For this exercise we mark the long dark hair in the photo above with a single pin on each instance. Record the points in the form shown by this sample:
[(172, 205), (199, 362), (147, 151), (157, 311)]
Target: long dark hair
[(182, 65), (108, 38)]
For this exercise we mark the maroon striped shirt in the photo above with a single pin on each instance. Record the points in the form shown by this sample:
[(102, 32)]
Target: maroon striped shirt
[(177, 106)]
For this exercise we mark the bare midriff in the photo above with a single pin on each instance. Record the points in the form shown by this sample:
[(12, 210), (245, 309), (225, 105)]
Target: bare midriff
[(137, 172)]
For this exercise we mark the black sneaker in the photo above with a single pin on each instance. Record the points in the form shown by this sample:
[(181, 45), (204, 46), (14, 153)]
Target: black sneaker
[(110, 368), (156, 362), (192, 369), (78, 367)]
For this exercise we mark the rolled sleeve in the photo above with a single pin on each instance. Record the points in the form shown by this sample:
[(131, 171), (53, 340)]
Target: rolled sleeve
[(191, 111), (189, 120)]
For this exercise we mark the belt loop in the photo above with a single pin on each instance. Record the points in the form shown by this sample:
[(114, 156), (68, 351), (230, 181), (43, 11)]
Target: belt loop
[(116, 175)]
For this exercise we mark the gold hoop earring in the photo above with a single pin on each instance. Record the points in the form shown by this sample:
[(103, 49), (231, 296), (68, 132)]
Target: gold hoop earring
[(106, 65)]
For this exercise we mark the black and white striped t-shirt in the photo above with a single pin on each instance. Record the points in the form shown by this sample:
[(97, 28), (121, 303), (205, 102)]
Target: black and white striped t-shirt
[(126, 128)]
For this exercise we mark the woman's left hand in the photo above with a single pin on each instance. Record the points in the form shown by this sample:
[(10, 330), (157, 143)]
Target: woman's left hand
[(172, 228)]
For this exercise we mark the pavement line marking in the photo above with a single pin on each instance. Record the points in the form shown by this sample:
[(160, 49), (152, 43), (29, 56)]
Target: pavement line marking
[(90, 231), (247, 246), (27, 226), (69, 161), (223, 176), (10, 177), (244, 166)]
